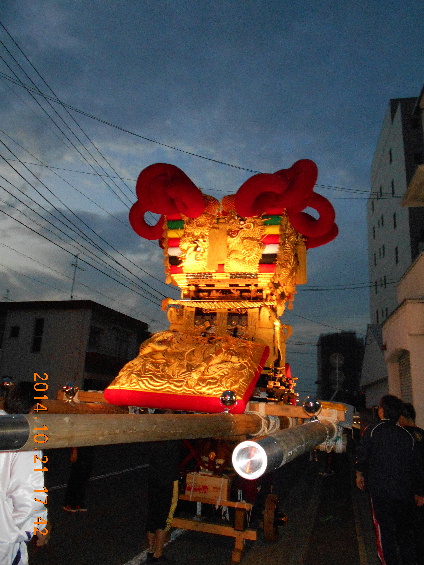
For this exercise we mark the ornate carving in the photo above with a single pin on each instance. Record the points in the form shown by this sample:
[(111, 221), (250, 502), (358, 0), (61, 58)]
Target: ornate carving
[(177, 363)]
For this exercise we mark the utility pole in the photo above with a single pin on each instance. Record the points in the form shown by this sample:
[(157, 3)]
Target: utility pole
[(6, 295), (75, 266)]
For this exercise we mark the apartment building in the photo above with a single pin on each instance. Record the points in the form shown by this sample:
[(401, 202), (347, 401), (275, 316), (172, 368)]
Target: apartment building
[(71, 340), (395, 219), (395, 232)]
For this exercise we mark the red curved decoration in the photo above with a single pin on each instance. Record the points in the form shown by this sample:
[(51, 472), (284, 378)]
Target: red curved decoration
[(307, 224), (272, 193), (291, 191), (164, 189), (301, 178), (260, 194), (141, 227), (332, 233)]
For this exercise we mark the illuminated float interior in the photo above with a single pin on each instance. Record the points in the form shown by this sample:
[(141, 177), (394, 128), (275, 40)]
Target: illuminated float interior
[(237, 263)]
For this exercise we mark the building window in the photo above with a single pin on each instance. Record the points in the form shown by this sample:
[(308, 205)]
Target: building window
[(94, 338), (382, 220), (376, 315), (381, 190), (390, 156), (387, 312), (372, 206), (373, 232), (394, 221), (14, 331), (393, 187), (383, 251), (122, 343), (396, 255), (376, 287), (385, 281), (375, 260), (38, 335)]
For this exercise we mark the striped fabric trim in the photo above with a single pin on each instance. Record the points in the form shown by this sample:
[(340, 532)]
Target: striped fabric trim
[(174, 242), (175, 224), (175, 233), (17, 558), (268, 259), (272, 220), (174, 261), (174, 251), (272, 230), (264, 268), (271, 238), (378, 536), (270, 248), (177, 270)]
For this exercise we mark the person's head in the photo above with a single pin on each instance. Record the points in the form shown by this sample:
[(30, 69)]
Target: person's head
[(390, 407), (408, 411), (408, 415), (20, 398)]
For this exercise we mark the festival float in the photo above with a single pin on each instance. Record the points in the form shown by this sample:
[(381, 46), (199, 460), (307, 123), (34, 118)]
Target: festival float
[(220, 369)]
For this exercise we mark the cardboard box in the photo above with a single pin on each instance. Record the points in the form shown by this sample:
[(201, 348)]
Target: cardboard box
[(202, 485)]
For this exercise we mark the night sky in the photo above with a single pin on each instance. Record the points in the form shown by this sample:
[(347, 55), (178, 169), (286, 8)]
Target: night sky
[(93, 92)]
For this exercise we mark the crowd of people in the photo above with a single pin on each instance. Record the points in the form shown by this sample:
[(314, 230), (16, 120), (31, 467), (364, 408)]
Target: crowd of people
[(23, 514), (389, 466)]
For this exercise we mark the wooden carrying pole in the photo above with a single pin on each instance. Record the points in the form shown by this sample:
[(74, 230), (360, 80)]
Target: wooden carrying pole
[(28, 431)]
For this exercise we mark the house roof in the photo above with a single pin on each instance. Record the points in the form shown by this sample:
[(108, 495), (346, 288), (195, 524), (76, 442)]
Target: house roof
[(70, 305)]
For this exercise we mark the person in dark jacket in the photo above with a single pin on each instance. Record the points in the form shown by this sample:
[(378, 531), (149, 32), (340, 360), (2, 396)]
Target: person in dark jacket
[(164, 457), (407, 421), (388, 466), (81, 459)]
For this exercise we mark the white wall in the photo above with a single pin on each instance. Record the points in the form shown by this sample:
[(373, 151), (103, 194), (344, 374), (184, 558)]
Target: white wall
[(405, 331)]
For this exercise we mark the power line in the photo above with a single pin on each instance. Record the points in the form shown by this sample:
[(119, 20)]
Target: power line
[(61, 275), (57, 114), (87, 238), (315, 322), (83, 260), (54, 94), (150, 140), (95, 258), (41, 164)]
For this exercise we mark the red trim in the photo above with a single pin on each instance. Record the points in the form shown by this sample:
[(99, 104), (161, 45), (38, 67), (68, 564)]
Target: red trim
[(271, 238), (174, 242), (377, 536), (262, 268), (265, 268), (169, 401), (175, 270), (122, 397)]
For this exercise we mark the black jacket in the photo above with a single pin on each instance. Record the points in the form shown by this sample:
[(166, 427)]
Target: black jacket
[(390, 462)]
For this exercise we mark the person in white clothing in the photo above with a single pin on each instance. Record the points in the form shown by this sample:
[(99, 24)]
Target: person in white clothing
[(21, 515)]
